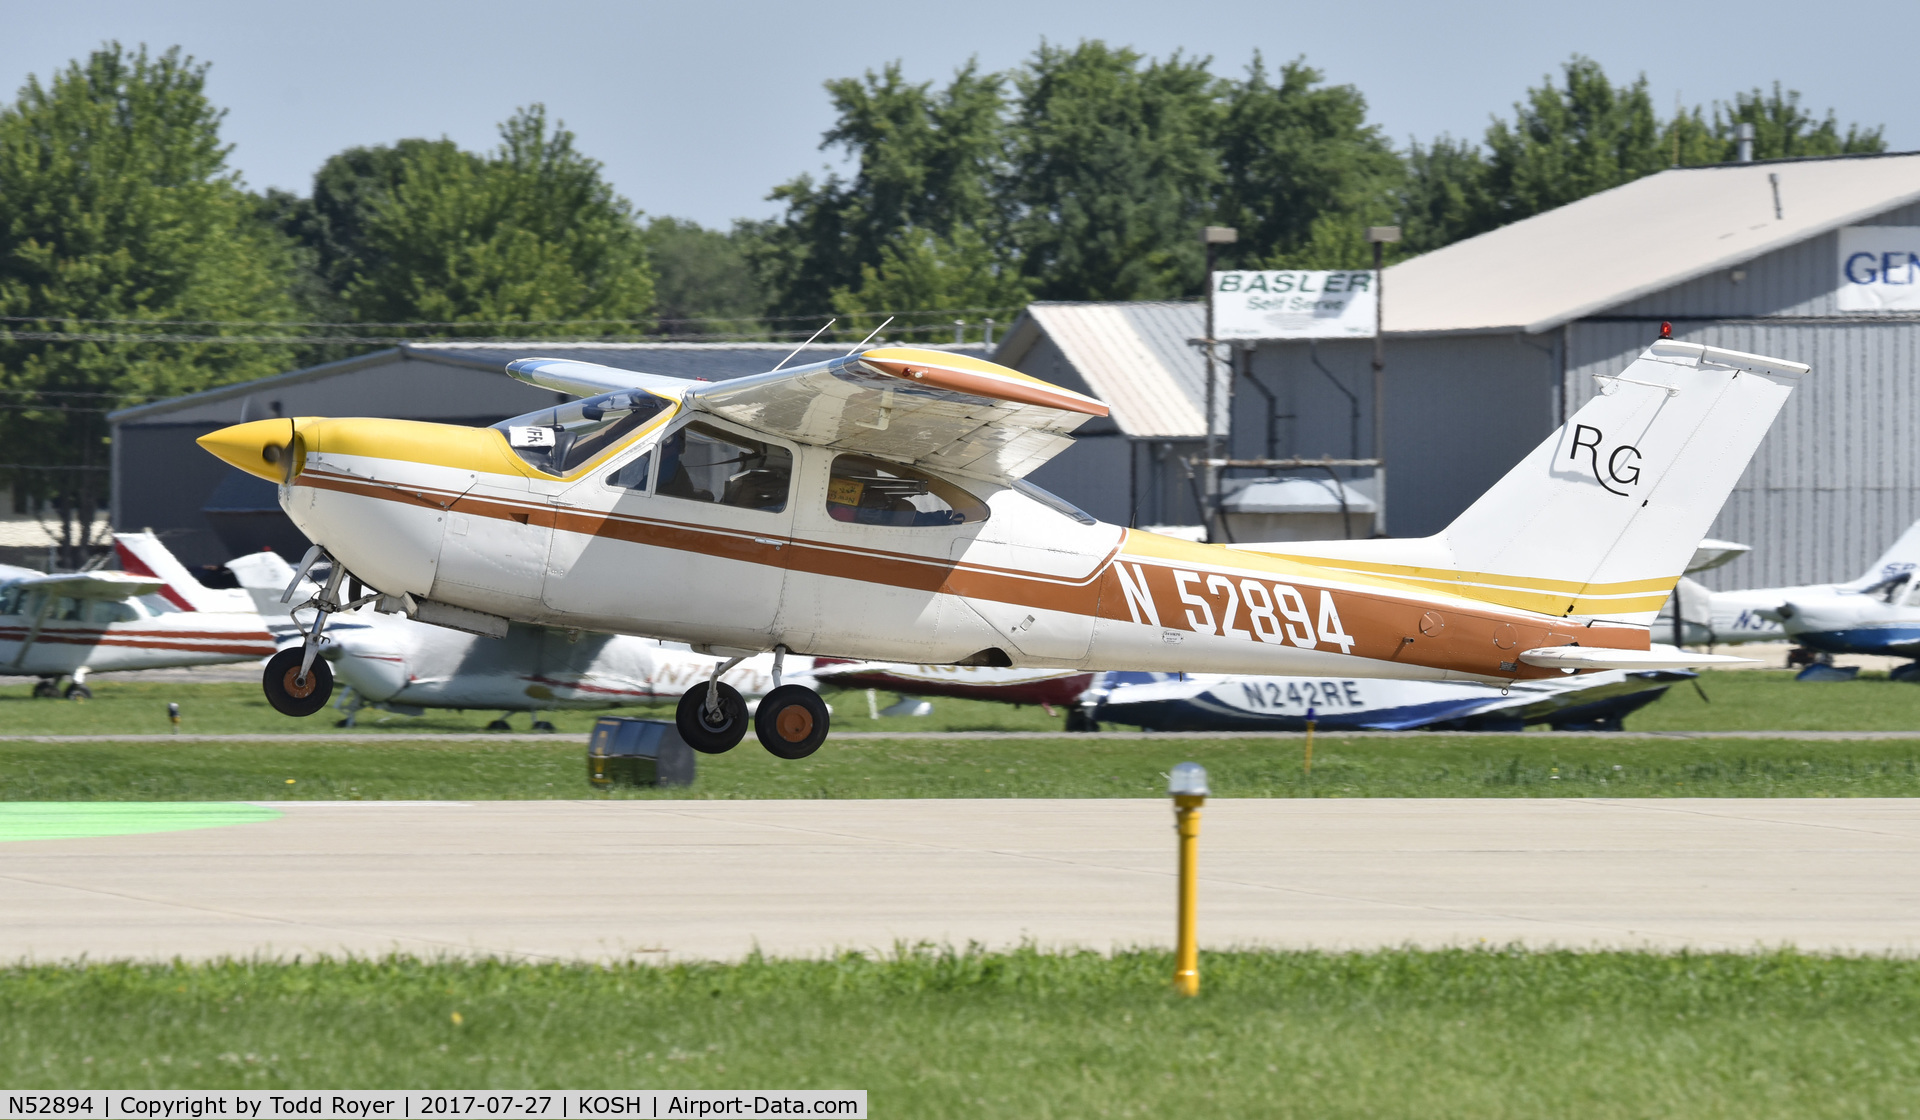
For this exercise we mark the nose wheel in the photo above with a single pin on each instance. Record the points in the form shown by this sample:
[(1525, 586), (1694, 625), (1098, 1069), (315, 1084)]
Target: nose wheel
[(791, 721), (294, 689)]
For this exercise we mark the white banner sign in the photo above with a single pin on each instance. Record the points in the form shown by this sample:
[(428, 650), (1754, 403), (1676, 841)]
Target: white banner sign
[(1879, 268), (1289, 304)]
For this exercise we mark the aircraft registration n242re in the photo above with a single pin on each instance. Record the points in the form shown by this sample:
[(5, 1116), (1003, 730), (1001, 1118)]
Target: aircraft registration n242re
[(873, 506)]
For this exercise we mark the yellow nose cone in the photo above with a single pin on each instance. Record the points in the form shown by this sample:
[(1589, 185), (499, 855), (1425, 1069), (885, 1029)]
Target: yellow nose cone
[(261, 447)]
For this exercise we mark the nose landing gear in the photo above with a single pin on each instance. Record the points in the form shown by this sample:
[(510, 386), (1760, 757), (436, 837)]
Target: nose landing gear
[(295, 681)]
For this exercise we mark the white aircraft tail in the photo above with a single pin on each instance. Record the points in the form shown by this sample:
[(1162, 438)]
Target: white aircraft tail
[(1902, 557), (1599, 521), (264, 575), (142, 554)]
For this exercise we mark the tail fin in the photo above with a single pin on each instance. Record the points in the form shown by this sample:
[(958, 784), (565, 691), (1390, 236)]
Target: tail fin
[(1601, 519), (143, 555), (264, 576), (1902, 557)]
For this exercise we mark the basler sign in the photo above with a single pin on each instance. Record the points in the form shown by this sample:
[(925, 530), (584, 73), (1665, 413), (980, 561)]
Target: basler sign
[(1879, 269), (1293, 304)]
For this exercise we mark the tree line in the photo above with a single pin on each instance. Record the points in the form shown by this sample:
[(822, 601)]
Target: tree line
[(136, 264)]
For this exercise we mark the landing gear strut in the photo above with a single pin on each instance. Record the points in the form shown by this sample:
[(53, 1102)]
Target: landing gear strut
[(296, 682)]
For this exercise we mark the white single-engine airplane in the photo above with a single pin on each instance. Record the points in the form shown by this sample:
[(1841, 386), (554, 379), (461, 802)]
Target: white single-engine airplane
[(873, 506), (75, 624), (1827, 612)]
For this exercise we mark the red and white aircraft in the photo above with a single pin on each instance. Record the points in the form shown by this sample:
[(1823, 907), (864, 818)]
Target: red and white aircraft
[(873, 506), (70, 626)]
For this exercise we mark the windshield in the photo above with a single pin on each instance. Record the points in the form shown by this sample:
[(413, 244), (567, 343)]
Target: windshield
[(560, 438)]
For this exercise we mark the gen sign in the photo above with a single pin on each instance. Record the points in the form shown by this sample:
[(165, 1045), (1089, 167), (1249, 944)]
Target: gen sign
[(1879, 269)]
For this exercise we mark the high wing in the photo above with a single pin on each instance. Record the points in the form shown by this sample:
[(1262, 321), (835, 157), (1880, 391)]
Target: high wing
[(927, 407), (110, 586), (585, 379)]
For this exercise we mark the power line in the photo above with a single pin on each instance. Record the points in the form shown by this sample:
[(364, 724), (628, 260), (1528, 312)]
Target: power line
[(495, 323)]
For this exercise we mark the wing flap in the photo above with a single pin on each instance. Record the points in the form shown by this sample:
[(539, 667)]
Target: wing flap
[(928, 407)]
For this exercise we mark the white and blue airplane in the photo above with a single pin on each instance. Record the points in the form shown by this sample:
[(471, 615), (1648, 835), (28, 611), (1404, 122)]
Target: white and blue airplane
[(1849, 617), (1221, 702)]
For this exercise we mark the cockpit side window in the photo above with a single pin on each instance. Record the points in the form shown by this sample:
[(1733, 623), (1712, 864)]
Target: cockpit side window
[(701, 463), (558, 439), (870, 491)]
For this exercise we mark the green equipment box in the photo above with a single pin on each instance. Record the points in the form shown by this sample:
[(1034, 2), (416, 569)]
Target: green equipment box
[(637, 752)]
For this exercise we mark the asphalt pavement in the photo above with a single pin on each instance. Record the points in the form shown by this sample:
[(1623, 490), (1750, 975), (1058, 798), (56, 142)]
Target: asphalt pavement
[(613, 880)]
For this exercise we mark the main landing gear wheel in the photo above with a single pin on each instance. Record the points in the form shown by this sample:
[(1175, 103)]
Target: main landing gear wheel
[(791, 721), (707, 731), (78, 691), (291, 696), (45, 689)]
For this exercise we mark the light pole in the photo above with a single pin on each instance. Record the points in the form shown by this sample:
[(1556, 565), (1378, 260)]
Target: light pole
[(1213, 237), (1380, 236)]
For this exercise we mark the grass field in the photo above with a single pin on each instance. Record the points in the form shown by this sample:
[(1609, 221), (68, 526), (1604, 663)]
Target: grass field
[(929, 1034), (1734, 701), (1410, 766)]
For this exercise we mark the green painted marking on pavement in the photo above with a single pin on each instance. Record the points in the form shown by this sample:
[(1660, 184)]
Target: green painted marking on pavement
[(68, 820)]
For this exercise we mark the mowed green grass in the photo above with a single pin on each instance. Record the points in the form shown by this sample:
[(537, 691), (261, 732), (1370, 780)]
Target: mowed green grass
[(1485, 1034), (1409, 766)]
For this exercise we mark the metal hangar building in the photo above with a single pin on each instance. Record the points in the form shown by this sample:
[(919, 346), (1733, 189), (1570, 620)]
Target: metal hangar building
[(1492, 342)]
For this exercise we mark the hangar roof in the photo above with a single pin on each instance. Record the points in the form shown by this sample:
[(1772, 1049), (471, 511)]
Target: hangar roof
[(1136, 357), (1636, 239)]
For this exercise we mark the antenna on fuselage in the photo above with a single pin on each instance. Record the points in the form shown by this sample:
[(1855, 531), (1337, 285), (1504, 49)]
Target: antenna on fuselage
[(869, 338), (803, 346)]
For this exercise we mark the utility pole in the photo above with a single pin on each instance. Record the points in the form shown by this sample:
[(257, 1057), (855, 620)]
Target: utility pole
[(1213, 237), (1380, 236)]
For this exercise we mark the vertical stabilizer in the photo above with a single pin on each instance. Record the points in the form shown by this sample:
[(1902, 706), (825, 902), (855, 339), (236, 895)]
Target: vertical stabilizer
[(1599, 521), (1902, 557), (142, 554)]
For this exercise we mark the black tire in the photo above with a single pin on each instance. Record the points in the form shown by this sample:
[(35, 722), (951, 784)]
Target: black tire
[(1081, 719), (544, 727), (700, 731), (791, 721), (285, 692), (46, 690), (79, 692), (499, 725)]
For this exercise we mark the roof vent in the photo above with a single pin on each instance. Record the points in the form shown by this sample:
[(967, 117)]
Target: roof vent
[(1743, 142)]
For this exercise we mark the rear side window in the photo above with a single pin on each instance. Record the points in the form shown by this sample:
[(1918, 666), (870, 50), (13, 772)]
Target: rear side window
[(868, 491)]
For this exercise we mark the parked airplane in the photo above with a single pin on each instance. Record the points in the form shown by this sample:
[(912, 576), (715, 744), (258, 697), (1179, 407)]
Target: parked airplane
[(874, 506), (70, 626), (1753, 615), (1213, 702)]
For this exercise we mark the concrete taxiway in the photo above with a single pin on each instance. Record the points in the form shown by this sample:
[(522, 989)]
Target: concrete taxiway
[(602, 880)]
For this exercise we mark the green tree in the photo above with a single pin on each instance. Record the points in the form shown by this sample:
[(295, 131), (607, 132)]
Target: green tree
[(925, 160), (923, 270), (1303, 171), (530, 234), (1572, 140), (116, 204), (1445, 196), (1783, 129), (1114, 170), (703, 283)]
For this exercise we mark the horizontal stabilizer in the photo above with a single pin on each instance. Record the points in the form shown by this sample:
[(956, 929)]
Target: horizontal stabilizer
[(107, 586), (1596, 657)]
